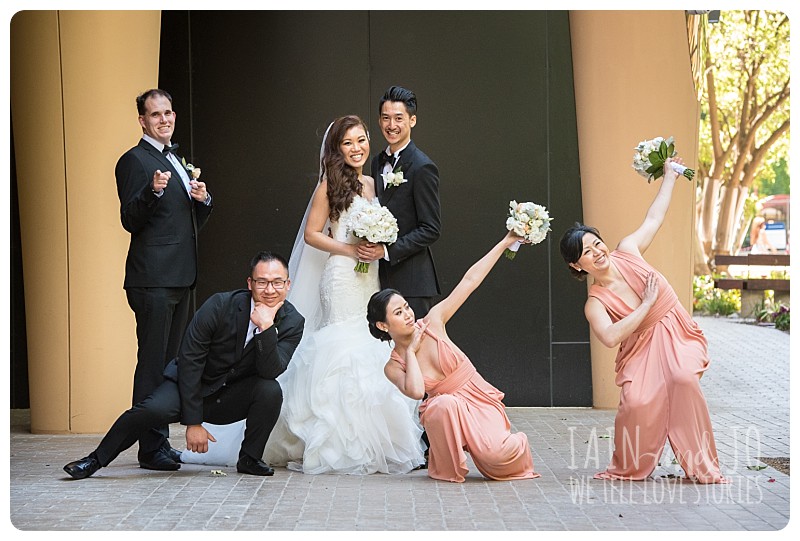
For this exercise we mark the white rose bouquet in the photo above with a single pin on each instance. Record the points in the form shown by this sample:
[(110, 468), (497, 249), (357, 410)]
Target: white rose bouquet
[(528, 220), (651, 155), (369, 220)]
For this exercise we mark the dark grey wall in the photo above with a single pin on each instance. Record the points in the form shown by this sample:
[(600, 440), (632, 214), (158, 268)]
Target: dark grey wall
[(254, 92)]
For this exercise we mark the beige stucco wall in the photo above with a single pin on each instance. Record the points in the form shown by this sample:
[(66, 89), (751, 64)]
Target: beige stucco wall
[(74, 77), (621, 99)]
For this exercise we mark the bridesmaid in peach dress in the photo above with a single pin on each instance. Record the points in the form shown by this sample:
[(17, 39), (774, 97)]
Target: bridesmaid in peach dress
[(662, 352), (463, 412)]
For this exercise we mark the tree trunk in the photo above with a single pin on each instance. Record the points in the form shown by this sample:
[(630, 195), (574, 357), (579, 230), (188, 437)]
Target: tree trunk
[(708, 211), (699, 256)]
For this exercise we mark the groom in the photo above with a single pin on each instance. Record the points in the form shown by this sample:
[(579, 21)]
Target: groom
[(236, 345), (407, 183)]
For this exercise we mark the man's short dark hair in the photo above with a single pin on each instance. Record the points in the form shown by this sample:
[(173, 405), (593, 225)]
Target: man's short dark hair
[(265, 257), (141, 98), (398, 93)]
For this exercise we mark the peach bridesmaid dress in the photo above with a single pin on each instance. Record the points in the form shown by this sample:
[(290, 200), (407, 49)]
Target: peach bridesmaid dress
[(658, 369), (463, 412)]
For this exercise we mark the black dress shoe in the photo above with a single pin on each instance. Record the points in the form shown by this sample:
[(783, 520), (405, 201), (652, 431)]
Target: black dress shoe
[(83, 468), (253, 466), (172, 453), (158, 460)]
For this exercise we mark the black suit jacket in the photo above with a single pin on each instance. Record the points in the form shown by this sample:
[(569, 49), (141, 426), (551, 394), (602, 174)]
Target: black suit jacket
[(212, 351), (415, 204), (163, 246)]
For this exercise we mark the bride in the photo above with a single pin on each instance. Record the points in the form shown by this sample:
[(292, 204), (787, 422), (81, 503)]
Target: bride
[(340, 414)]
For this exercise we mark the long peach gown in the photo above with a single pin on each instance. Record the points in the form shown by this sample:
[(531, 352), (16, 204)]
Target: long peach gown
[(463, 412), (658, 368)]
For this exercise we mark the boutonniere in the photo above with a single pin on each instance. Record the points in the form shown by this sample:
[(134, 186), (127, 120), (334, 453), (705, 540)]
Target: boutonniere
[(395, 178), (194, 172)]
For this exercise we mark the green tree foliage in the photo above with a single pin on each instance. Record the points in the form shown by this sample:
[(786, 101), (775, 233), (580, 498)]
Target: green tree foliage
[(774, 180), (744, 123)]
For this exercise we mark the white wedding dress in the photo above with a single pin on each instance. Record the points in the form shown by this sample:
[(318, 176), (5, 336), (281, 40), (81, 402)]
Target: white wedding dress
[(340, 413)]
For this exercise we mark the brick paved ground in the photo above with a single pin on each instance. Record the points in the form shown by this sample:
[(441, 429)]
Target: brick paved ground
[(747, 389)]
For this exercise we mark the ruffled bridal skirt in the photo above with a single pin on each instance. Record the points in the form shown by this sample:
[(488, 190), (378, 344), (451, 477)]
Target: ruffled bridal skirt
[(340, 414)]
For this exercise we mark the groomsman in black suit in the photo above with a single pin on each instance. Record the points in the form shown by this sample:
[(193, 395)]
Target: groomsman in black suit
[(162, 206), (407, 183), (237, 343)]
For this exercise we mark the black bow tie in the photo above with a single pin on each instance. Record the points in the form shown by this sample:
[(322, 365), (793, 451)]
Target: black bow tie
[(384, 158), (169, 148)]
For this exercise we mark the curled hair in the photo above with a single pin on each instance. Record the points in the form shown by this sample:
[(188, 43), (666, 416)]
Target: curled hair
[(376, 311), (398, 93), (343, 182), (572, 246), (265, 257), (142, 98)]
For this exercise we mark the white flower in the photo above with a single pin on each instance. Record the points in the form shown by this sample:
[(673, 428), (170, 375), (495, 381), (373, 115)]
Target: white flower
[(528, 220), (394, 178), (652, 169), (194, 172), (369, 220)]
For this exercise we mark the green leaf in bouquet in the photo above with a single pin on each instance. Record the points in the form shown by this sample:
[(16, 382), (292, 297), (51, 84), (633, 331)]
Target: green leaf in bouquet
[(655, 159), (653, 168), (658, 173), (671, 150), (662, 151)]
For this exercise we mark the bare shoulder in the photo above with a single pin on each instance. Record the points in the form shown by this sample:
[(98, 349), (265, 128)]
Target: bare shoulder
[(322, 190), (629, 245), (369, 187), (393, 369)]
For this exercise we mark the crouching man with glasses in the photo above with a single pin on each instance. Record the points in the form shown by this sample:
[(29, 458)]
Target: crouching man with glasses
[(236, 345)]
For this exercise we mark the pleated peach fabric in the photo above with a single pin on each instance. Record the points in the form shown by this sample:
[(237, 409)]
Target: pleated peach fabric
[(463, 412), (658, 369)]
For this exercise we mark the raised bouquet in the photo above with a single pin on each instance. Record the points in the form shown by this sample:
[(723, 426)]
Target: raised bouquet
[(651, 155), (528, 220), (369, 220)]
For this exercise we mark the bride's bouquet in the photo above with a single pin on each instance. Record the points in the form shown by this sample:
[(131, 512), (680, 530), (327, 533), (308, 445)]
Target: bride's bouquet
[(369, 220), (651, 155), (528, 220)]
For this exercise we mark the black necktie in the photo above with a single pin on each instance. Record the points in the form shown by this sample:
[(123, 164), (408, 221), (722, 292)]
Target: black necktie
[(384, 158), (169, 148)]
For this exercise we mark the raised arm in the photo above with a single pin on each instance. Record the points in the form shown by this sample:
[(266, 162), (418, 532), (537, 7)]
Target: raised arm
[(445, 309), (638, 241), (315, 234)]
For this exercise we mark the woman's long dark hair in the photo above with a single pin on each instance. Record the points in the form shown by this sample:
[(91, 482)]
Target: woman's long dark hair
[(343, 183)]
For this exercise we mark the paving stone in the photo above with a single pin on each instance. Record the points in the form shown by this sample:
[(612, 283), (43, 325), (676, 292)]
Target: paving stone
[(747, 388)]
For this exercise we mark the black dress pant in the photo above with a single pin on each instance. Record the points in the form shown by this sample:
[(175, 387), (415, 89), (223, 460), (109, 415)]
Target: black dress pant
[(162, 314), (256, 399)]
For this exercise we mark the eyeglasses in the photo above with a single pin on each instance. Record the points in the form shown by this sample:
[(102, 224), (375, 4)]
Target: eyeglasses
[(277, 284)]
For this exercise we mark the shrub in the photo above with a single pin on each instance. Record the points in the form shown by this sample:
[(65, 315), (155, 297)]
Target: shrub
[(709, 300), (770, 311)]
